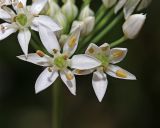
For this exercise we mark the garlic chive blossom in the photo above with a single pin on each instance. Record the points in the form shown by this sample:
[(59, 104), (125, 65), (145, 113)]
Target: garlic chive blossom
[(61, 63), (107, 58), (24, 18)]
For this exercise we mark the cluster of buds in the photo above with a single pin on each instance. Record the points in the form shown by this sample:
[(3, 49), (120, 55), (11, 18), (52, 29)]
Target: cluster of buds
[(62, 29)]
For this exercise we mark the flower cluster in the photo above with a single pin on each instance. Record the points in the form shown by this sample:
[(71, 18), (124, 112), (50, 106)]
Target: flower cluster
[(64, 31)]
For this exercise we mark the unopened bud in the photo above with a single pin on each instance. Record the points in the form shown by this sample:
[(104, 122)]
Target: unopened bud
[(133, 25), (109, 3), (53, 8), (86, 12), (144, 4), (70, 10)]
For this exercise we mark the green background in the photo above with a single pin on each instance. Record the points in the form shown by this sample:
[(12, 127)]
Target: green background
[(127, 104)]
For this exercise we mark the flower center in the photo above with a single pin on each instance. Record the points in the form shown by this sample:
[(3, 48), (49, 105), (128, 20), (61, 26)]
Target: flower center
[(103, 59), (21, 19), (60, 62)]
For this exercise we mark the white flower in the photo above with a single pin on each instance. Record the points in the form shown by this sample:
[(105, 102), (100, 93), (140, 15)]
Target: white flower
[(107, 58), (133, 25), (131, 5), (60, 63), (24, 18)]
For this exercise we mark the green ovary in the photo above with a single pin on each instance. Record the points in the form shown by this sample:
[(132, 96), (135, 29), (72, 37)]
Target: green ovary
[(22, 19), (60, 62), (103, 59)]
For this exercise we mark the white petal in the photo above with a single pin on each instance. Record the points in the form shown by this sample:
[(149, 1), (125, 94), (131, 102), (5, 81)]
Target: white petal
[(6, 31), (105, 49), (129, 7), (118, 72), (37, 6), (99, 82), (118, 54), (119, 5), (35, 59), (83, 72), (72, 42), (24, 37), (48, 39), (133, 25), (83, 62), (47, 22), (4, 15), (92, 49), (45, 79), (70, 83)]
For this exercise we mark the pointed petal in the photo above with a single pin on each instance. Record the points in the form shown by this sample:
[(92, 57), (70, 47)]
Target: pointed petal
[(99, 82), (4, 15), (45, 79), (118, 54), (69, 79), (83, 62), (105, 49), (48, 39), (129, 7), (36, 59), (119, 5), (92, 49), (37, 6), (71, 45), (46, 21), (120, 73), (5, 30), (24, 37), (83, 72)]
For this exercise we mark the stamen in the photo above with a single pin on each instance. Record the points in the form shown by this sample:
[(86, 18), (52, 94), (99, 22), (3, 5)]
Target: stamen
[(65, 56), (118, 54), (40, 53), (2, 28), (55, 51), (78, 71), (104, 48), (72, 42), (91, 50), (50, 69), (20, 5), (121, 73), (69, 76)]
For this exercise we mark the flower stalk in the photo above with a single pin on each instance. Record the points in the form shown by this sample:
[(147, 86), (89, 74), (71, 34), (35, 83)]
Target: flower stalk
[(118, 42)]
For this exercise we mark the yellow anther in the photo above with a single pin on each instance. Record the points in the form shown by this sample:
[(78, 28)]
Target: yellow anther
[(65, 56), (40, 53), (104, 48), (118, 54), (79, 71), (20, 5), (69, 76), (91, 50), (121, 73), (72, 42)]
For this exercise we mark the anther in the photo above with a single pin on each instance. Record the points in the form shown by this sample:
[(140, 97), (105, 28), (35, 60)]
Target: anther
[(50, 69), (20, 5), (55, 51), (118, 54), (69, 76), (72, 42), (121, 73), (91, 50), (40, 53)]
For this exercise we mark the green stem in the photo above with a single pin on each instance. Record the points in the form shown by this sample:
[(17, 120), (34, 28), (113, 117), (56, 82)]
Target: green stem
[(100, 13), (107, 29), (57, 104), (118, 42)]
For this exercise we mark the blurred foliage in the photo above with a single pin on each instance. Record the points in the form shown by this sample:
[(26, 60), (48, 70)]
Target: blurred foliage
[(127, 104)]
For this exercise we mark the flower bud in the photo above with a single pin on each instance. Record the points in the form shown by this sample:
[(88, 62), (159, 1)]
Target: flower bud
[(61, 19), (70, 10), (86, 26), (53, 8), (144, 4), (86, 12), (133, 25), (109, 3)]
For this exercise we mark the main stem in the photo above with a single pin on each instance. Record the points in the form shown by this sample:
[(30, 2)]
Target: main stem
[(119, 41), (57, 104)]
